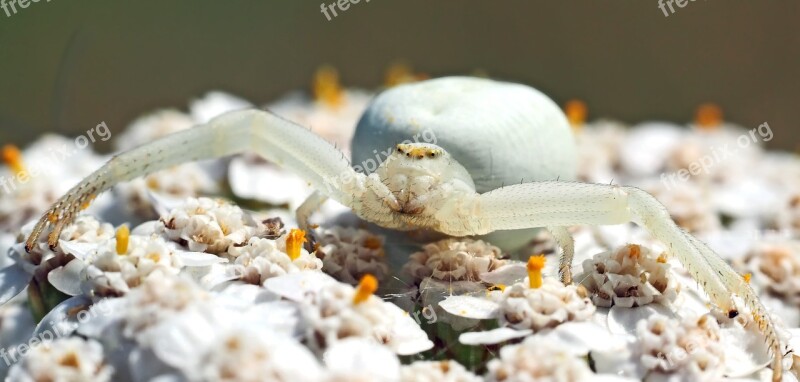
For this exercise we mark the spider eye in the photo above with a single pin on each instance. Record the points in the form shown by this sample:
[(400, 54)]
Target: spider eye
[(408, 154), (432, 155), (399, 150)]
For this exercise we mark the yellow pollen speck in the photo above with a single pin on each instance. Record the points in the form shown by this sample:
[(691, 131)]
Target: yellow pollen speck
[(372, 242), (535, 266), (326, 87), (70, 360), (635, 251), (366, 287), (294, 243), (747, 277), (13, 159), (123, 235), (576, 112), (154, 257), (708, 116), (662, 258)]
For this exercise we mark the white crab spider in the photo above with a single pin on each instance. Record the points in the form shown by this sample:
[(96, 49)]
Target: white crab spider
[(423, 186)]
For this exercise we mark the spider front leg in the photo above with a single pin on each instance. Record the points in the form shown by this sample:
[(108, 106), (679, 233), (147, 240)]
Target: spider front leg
[(567, 244), (277, 140), (559, 204)]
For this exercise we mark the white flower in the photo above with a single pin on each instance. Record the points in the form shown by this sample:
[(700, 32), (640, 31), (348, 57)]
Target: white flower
[(66, 360), (454, 260), (359, 359), (349, 253), (646, 147), (334, 311), (690, 348), (521, 310), (261, 259), (437, 371), (208, 225), (537, 360), (550, 305), (775, 269), (628, 276), (253, 355)]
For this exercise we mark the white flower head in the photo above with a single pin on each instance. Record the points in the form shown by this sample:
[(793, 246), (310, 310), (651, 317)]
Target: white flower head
[(628, 276), (454, 260), (349, 253), (248, 355), (64, 359), (111, 273), (437, 371), (690, 348), (536, 359), (262, 258), (548, 306), (208, 225), (774, 268), (334, 311)]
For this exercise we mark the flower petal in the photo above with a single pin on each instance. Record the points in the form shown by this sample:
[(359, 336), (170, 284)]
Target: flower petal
[(470, 307), (59, 320), (491, 337), (13, 280), (507, 274), (67, 278), (294, 286), (199, 259), (624, 320)]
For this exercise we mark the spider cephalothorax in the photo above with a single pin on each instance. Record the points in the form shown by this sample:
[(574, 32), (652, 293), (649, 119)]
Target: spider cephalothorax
[(421, 179)]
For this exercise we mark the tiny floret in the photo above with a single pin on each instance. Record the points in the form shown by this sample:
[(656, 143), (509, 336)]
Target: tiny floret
[(366, 287), (123, 235), (294, 242)]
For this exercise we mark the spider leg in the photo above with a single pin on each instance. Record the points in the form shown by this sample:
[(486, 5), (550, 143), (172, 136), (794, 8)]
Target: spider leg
[(280, 141), (304, 212), (548, 204), (567, 244)]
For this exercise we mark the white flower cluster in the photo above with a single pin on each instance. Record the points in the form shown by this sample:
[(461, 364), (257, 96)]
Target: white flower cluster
[(548, 306), (208, 225), (349, 253), (436, 371), (110, 273), (454, 260), (775, 268), (262, 258), (332, 316), (67, 359), (690, 348), (628, 276), (534, 360)]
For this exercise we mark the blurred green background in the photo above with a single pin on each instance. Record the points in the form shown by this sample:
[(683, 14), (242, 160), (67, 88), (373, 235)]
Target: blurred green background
[(65, 66)]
